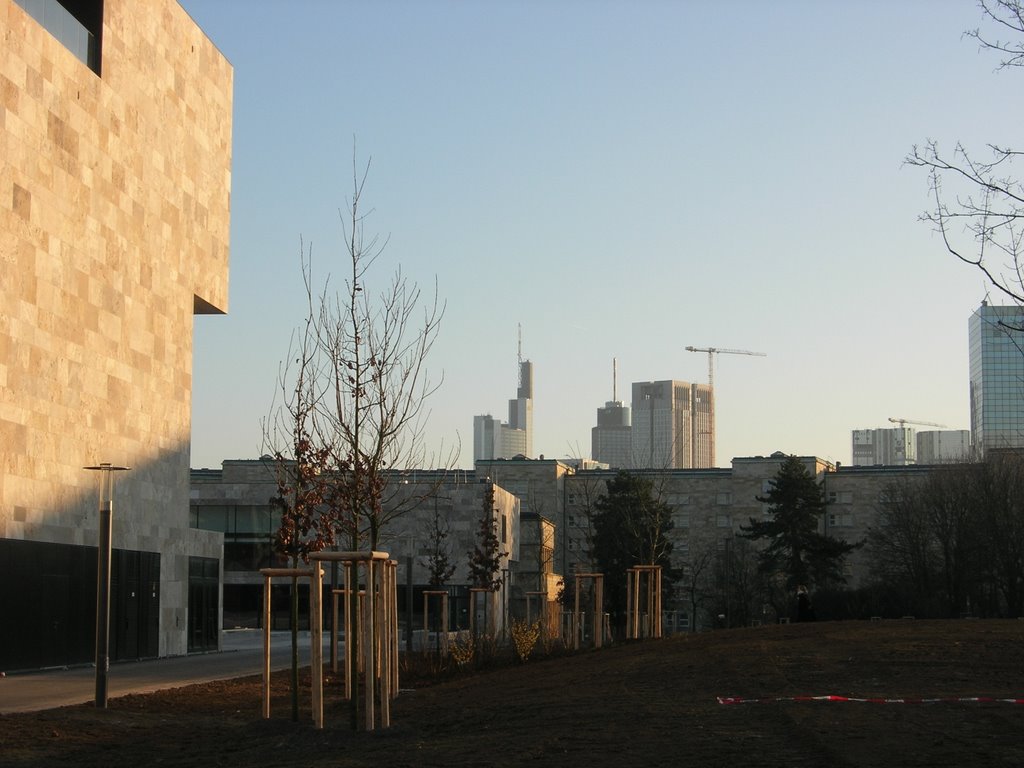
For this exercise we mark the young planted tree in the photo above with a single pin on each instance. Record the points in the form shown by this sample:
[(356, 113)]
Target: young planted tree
[(485, 558), (486, 555), (978, 198), (299, 463), (793, 548), (362, 368), (438, 561), (375, 348), (630, 527)]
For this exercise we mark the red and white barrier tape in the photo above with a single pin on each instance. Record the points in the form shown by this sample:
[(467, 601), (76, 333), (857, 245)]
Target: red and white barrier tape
[(832, 697)]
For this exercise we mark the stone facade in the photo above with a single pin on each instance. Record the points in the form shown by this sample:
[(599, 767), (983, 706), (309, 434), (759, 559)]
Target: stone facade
[(709, 506), (549, 505), (114, 224), (236, 500)]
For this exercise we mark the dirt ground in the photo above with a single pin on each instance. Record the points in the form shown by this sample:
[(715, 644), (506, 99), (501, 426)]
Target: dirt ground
[(642, 704)]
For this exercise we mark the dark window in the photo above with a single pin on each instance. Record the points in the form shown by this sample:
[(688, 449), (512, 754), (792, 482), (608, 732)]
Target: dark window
[(77, 24)]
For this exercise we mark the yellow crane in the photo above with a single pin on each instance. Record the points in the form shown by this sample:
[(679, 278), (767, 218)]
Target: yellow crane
[(712, 351)]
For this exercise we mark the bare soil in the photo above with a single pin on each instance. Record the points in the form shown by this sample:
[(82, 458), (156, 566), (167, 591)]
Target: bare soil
[(654, 703)]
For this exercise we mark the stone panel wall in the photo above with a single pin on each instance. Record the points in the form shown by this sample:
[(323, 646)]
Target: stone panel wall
[(114, 223)]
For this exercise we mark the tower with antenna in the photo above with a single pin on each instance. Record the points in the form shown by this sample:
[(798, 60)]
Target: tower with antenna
[(493, 439), (611, 439), (520, 410)]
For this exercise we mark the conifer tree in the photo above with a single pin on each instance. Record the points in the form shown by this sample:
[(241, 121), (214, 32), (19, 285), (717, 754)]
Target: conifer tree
[(485, 559), (630, 527), (439, 557), (793, 546)]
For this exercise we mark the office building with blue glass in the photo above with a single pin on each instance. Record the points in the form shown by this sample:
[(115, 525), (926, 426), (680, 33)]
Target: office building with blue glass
[(996, 337)]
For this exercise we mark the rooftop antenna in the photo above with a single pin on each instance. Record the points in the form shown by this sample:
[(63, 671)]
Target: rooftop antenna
[(615, 380), (519, 356)]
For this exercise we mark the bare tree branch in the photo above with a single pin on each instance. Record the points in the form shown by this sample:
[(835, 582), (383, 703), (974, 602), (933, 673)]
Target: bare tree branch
[(978, 205)]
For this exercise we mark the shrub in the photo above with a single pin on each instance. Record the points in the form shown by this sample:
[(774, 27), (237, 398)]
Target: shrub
[(524, 638)]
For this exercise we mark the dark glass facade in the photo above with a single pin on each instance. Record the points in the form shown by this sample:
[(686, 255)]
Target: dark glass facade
[(996, 337), (50, 620)]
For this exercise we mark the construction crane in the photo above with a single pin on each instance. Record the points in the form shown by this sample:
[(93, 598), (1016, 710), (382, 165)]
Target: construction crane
[(904, 422), (901, 451), (712, 351)]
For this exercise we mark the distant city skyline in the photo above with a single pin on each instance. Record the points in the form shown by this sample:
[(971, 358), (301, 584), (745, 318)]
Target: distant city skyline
[(623, 180)]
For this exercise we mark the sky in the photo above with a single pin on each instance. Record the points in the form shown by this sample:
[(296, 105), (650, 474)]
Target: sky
[(611, 180)]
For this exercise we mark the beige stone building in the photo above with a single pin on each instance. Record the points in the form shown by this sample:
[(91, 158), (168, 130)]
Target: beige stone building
[(115, 135), (235, 501), (548, 505)]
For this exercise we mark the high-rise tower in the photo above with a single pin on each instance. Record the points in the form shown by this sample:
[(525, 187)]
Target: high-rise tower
[(672, 425), (494, 440), (611, 439), (996, 339)]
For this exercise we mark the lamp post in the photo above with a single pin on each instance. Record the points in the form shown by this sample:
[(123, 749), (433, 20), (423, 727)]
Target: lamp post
[(408, 596), (103, 548)]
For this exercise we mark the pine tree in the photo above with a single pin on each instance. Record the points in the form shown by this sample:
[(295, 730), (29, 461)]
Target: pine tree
[(439, 560), (485, 559), (794, 548), (630, 527)]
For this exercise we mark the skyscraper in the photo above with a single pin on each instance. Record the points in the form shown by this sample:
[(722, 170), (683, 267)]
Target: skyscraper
[(494, 440), (941, 446), (996, 339), (893, 446), (672, 425), (611, 440)]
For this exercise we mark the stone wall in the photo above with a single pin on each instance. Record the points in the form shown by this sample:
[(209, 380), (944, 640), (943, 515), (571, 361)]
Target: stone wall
[(114, 224)]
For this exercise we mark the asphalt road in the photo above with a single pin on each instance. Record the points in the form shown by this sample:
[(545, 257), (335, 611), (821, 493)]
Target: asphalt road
[(241, 655)]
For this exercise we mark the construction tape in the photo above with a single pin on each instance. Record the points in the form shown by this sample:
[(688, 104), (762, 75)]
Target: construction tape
[(872, 700)]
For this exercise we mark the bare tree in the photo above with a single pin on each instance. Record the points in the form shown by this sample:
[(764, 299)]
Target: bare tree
[(951, 510), (978, 198), (1001, 498), (696, 582), (354, 391), (376, 385), (298, 462), (901, 543)]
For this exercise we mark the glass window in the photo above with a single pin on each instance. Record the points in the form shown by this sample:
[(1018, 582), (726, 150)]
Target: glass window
[(75, 31), (248, 555), (213, 517), (253, 519)]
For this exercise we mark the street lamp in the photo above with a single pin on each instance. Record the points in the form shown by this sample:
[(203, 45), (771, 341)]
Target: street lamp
[(106, 471)]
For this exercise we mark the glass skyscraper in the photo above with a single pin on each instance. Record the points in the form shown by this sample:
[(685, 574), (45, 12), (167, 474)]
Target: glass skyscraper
[(996, 336)]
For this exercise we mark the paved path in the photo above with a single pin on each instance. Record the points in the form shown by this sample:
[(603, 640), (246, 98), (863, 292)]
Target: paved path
[(242, 655)]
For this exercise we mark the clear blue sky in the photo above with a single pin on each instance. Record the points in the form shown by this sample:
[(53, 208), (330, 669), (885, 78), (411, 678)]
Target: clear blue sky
[(623, 179)]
